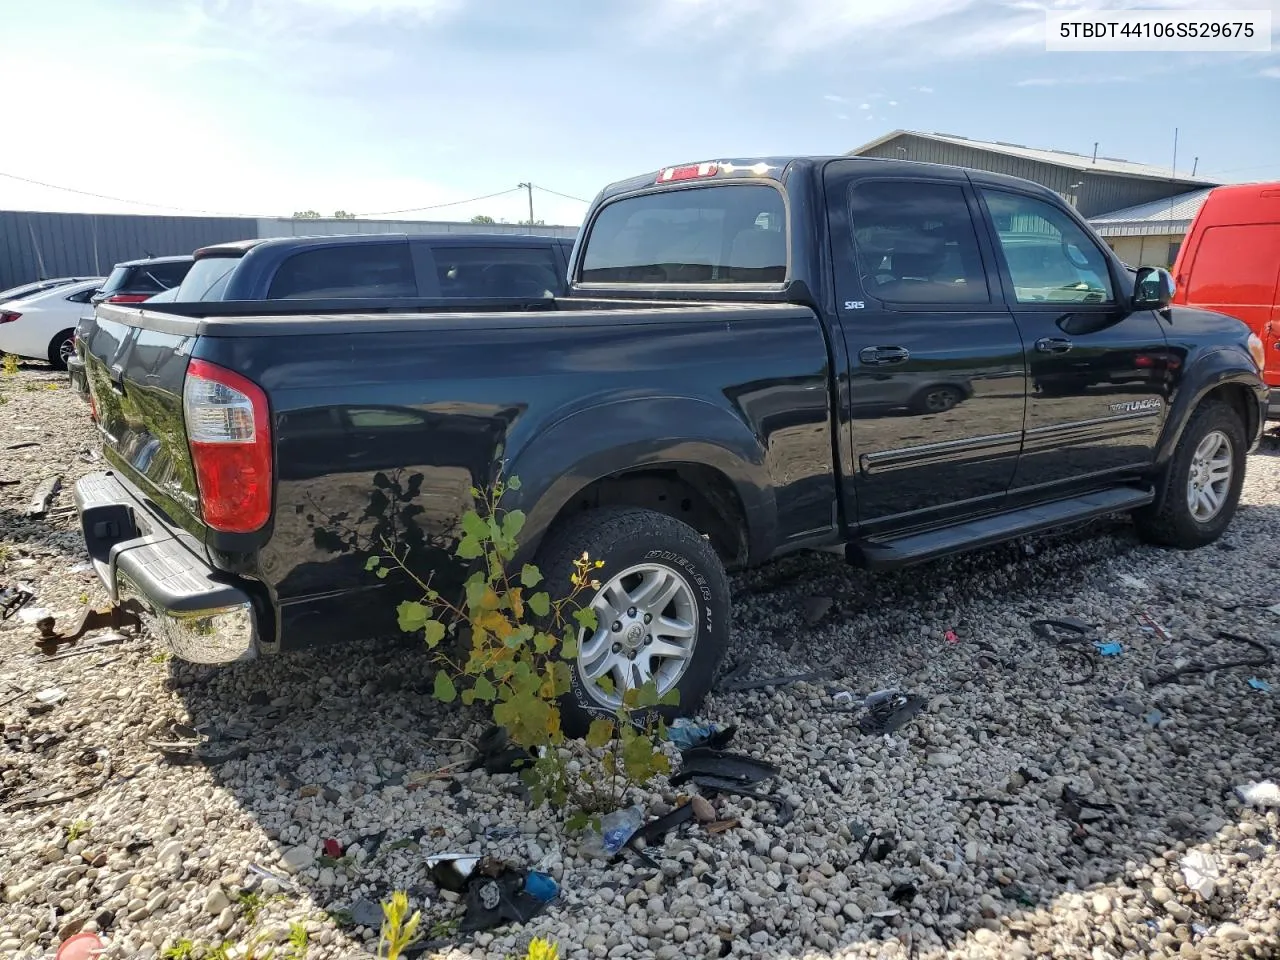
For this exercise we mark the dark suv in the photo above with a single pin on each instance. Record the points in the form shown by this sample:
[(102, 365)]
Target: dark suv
[(136, 280), (380, 266)]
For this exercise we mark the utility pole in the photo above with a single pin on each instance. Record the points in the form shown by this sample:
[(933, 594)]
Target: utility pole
[(529, 188)]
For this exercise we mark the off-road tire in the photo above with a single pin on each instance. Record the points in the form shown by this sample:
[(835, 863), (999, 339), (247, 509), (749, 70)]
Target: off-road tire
[(1168, 520), (623, 537)]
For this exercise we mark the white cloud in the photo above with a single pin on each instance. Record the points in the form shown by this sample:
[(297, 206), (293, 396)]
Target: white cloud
[(922, 89), (842, 116), (864, 106), (1071, 81), (835, 98), (893, 103), (1272, 72)]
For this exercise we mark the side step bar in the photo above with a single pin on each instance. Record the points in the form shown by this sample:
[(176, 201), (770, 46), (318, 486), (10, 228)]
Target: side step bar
[(886, 554)]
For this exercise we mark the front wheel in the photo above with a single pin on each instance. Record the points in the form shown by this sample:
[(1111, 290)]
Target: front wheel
[(1197, 495), (662, 611)]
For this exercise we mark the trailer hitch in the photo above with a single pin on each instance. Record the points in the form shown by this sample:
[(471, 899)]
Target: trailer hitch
[(117, 616)]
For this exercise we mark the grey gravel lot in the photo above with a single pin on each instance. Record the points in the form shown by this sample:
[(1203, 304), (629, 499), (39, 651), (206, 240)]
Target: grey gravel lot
[(1032, 809)]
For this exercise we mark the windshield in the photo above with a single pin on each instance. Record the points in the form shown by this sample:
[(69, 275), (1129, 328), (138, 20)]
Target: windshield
[(729, 233), (206, 280)]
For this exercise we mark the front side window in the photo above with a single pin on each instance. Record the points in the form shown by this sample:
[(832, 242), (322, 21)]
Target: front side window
[(356, 270), (915, 242), (729, 233), (1050, 258)]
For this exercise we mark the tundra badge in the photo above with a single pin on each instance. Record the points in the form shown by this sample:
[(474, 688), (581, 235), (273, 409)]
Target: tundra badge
[(1135, 406)]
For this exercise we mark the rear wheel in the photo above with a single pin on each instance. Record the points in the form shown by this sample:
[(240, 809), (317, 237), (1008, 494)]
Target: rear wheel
[(61, 348), (662, 610), (1199, 491)]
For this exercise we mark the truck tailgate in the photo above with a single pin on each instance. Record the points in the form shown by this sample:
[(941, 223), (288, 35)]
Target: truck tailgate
[(135, 377)]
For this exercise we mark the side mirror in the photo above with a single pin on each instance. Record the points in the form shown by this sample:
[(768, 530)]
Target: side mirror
[(1153, 288)]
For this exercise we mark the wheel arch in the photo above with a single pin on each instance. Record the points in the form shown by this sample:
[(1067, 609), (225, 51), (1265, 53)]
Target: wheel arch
[(1216, 378)]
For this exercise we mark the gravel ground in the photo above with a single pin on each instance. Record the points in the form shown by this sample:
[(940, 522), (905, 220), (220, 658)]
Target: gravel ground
[(1018, 815)]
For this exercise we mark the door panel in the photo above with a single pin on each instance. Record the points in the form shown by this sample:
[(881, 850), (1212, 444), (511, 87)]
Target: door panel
[(936, 383), (1100, 374)]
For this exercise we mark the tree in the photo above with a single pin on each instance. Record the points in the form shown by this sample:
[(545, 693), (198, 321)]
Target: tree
[(343, 215), (306, 215), (481, 218)]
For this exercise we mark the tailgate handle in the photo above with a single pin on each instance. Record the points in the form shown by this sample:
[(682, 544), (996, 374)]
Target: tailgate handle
[(117, 379)]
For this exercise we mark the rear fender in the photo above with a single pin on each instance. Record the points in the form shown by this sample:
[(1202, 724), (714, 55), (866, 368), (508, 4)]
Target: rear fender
[(560, 461)]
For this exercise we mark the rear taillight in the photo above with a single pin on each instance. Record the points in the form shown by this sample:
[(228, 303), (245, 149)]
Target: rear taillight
[(8, 316), (129, 297), (228, 427)]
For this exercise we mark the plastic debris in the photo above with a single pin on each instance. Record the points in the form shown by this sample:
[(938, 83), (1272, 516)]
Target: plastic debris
[(887, 711), (1264, 794), (1132, 582), (365, 913), (501, 833), (705, 761), (33, 614), (51, 695), (687, 734), (1260, 685), (495, 754), (451, 871), (541, 886), (1265, 660), (13, 599), (1153, 718), (332, 848), (951, 636), (1149, 624), (842, 698), (616, 828), (1110, 648), (1200, 871), (81, 946)]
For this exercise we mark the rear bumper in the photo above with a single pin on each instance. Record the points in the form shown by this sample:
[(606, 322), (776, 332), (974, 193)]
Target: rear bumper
[(79, 382), (200, 614)]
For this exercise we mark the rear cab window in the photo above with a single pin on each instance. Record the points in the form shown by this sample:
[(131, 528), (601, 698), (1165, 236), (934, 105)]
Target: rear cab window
[(495, 272), (206, 280), (351, 271), (722, 233)]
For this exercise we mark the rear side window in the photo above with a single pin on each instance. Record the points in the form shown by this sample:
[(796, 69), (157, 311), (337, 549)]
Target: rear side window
[(483, 272), (916, 243), (83, 296), (731, 233), (1236, 265), (206, 280), (357, 270)]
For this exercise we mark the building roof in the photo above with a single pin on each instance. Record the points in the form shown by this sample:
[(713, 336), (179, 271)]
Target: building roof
[(1060, 158), (1156, 218)]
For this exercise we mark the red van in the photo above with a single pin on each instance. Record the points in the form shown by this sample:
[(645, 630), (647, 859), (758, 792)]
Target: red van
[(1230, 262)]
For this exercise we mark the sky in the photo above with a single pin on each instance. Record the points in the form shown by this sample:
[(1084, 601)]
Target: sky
[(387, 107)]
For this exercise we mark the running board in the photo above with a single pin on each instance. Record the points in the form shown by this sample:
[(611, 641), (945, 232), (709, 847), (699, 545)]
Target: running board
[(877, 554)]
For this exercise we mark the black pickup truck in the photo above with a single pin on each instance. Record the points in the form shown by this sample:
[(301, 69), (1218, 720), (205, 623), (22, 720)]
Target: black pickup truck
[(893, 360)]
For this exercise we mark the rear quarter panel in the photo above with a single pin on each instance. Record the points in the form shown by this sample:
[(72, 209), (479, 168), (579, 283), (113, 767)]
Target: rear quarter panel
[(381, 434)]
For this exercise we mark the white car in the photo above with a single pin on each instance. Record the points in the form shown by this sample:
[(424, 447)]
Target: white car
[(42, 326)]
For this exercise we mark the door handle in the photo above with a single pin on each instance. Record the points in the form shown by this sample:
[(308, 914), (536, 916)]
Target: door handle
[(879, 356), (1053, 345)]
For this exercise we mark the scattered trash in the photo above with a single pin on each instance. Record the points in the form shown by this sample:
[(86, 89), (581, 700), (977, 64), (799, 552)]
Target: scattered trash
[(505, 898), (541, 886), (1065, 633), (13, 599), (51, 695), (266, 874), (81, 946), (687, 734), (43, 496), (1134, 583), (616, 828), (888, 711), (1153, 718), (842, 698), (45, 798), (1202, 668), (23, 445), (951, 637), (720, 826), (33, 614), (501, 833), (736, 767), (451, 871), (1260, 685), (903, 893), (1200, 871), (332, 848), (1264, 794), (1112, 648), (1149, 624), (877, 848), (82, 568), (116, 616)]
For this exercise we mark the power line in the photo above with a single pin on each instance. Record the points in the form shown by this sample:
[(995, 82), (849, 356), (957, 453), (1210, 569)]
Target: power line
[(137, 203), (556, 193), (437, 206)]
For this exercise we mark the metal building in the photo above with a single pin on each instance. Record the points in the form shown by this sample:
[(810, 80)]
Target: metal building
[(38, 245), (1093, 184)]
